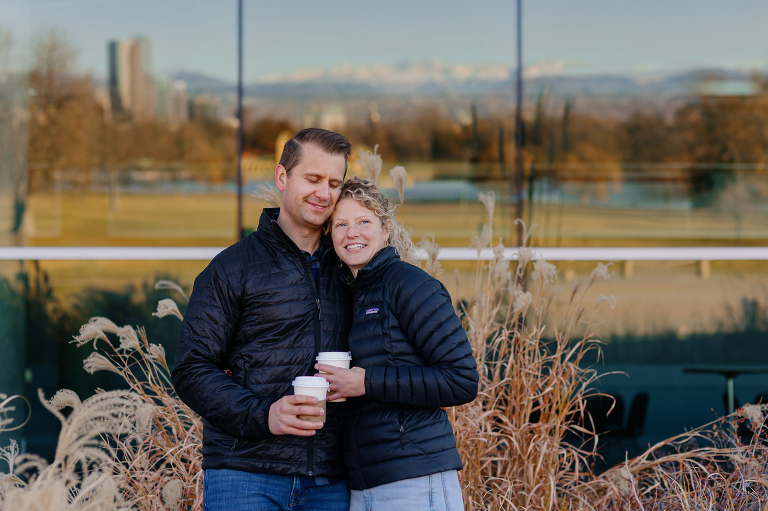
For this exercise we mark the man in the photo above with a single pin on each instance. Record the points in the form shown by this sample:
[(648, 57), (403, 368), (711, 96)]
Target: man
[(261, 311)]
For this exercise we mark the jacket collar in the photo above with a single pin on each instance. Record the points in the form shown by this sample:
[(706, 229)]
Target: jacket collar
[(271, 232), (375, 268)]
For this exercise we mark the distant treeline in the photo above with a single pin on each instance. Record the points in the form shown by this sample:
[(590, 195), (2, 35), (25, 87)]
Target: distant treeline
[(69, 129)]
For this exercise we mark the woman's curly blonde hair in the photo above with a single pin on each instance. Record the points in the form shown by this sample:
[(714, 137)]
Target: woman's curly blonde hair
[(367, 193)]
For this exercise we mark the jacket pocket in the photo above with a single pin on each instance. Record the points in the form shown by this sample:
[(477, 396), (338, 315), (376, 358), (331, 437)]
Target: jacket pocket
[(401, 427)]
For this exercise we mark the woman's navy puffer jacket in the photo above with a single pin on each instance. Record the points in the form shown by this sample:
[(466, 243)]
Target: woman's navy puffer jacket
[(417, 358), (257, 311)]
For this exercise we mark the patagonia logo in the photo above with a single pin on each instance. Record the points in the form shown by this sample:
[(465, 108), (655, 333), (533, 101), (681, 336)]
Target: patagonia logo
[(375, 310)]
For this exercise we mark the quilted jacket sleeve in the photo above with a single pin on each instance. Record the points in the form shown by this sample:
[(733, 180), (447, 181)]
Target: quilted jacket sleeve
[(198, 374), (427, 317)]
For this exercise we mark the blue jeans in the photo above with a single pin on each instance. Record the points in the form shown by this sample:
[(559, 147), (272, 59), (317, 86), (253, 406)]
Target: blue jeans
[(436, 492), (234, 490)]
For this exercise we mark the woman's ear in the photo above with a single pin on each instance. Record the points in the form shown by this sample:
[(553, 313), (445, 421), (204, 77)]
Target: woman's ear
[(387, 231)]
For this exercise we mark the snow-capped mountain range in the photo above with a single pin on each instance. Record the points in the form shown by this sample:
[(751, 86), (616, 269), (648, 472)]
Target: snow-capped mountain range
[(409, 74), (439, 78)]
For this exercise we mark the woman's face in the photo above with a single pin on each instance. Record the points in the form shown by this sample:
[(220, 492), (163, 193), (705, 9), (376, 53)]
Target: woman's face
[(357, 233)]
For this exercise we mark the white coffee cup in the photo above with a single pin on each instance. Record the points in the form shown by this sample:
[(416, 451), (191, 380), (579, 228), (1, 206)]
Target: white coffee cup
[(340, 359), (315, 386)]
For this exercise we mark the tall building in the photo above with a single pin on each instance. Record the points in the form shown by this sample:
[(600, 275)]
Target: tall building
[(131, 85)]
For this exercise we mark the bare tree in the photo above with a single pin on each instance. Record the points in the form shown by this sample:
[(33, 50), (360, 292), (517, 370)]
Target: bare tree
[(13, 133), (65, 117)]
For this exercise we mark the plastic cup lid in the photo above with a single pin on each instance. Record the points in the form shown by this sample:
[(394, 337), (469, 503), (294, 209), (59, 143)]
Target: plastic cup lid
[(310, 381), (334, 355)]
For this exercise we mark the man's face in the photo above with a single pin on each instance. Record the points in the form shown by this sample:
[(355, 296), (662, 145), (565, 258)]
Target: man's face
[(312, 188)]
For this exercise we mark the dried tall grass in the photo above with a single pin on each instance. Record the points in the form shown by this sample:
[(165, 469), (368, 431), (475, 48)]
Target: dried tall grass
[(527, 441), (9, 482), (125, 449), (722, 465), (533, 385)]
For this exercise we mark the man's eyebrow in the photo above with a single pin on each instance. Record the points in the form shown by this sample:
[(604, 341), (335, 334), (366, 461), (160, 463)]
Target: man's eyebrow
[(318, 174)]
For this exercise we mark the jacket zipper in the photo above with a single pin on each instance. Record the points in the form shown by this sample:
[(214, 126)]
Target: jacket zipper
[(311, 440), (245, 385), (358, 467)]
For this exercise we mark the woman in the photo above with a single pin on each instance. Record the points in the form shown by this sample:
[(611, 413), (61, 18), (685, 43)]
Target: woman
[(411, 357)]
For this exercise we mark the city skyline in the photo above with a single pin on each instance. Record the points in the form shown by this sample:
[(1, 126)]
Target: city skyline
[(560, 37), (130, 79)]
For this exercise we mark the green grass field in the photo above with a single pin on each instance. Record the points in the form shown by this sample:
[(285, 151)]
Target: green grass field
[(210, 219)]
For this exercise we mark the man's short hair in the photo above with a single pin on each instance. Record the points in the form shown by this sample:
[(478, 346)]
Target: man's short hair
[(329, 141)]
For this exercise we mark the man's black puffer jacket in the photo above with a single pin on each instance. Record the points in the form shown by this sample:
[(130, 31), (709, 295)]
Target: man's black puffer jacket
[(257, 311), (417, 358)]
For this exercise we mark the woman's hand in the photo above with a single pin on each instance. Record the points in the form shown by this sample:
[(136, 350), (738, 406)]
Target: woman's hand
[(344, 382)]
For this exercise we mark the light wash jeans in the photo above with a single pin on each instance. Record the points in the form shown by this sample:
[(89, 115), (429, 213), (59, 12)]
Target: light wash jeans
[(436, 492), (234, 490)]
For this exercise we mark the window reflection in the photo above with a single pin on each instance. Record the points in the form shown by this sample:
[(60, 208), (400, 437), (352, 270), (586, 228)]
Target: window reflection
[(117, 127), (131, 139)]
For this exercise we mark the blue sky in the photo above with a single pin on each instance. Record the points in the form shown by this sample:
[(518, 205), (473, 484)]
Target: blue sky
[(581, 36)]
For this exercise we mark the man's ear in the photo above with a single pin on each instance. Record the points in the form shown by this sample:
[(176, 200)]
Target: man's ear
[(281, 175)]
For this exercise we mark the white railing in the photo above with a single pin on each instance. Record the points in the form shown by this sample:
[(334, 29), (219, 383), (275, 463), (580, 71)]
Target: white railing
[(446, 254)]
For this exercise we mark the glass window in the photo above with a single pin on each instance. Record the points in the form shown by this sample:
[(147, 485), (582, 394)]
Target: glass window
[(644, 125)]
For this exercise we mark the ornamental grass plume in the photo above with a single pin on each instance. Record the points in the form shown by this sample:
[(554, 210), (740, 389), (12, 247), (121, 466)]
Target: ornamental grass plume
[(7, 407), (268, 193), (89, 332), (173, 492), (489, 200), (371, 163), (169, 284), (432, 266), (399, 177), (166, 307)]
